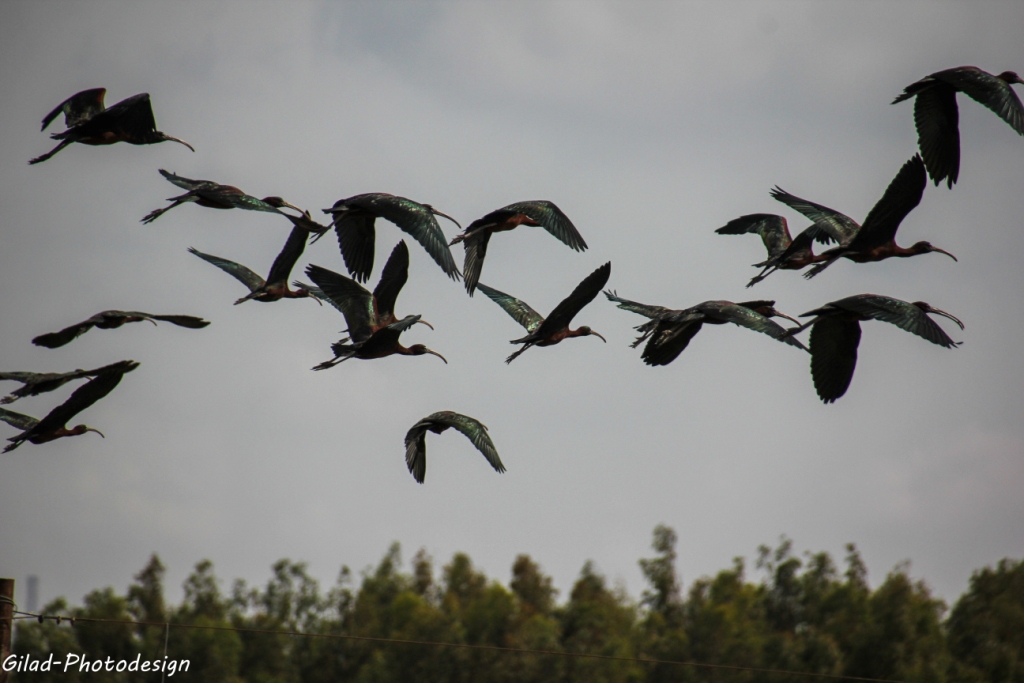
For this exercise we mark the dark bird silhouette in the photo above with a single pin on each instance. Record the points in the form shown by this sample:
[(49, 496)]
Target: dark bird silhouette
[(553, 329), (937, 118), (835, 335), (107, 320), (275, 287), (875, 240), (784, 252), (353, 220), (35, 383), (372, 325), (216, 196), (534, 213), (475, 431), (129, 120), (669, 331), (54, 425)]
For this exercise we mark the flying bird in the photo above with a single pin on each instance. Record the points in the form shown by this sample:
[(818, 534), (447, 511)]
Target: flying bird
[(216, 196), (54, 425), (835, 335), (534, 213), (372, 325), (107, 320), (553, 329), (353, 220), (668, 332), (275, 287), (129, 120), (475, 431), (784, 252), (875, 240), (35, 383), (937, 118)]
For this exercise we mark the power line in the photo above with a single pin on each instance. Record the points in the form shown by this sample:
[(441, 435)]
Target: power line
[(466, 646)]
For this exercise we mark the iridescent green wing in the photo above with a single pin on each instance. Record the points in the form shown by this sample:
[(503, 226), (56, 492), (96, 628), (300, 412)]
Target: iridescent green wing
[(78, 108), (900, 313), (841, 227), (18, 420), (773, 230), (83, 397), (290, 253), (752, 320), (355, 303), (235, 270), (901, 196), (584, 293), (833, 340), (668, 340), (189, 321), (937, 120), (519, 310), (552, 219), (475, 431), (643, 309), (416, 219), (187, 183), (392, 279), (989, 90)]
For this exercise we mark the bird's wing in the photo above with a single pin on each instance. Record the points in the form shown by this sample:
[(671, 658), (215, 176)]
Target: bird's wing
[(900, 198), (83, 397), (290, 253), (189, 321), (475, 431), (130, 117), (752, 320), (519, 310), (22, 422), (581, 296), (417, 220), (186, 183), (773, 230), (833, 342), (356, 241), (53, 340), (900, 313), (355, 303), (643, 309), (36, 383), (78, 108), (839, 226), (317, 293), (938, 131), (416, 450), (476, 249), (236, 270), (989, 90), (392, 279), (552, 219), (668, 340)]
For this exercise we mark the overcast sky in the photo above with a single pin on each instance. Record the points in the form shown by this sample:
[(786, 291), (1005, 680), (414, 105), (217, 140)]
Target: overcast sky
[(650, 125)]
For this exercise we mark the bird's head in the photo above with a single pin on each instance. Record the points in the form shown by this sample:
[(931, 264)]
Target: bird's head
[(585, 331), (928, 247), (82, 429), (420, 349), (928, 308), (441, 213), (165, 136), (1010, 77)]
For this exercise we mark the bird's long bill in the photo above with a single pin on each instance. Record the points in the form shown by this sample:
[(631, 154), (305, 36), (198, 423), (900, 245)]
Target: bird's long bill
[(787, 317), (435, 353), (426, 323), (599, 335), (92, 429), (947, 315), (169, 137), (943, 251), (152, 321), (438, 213)]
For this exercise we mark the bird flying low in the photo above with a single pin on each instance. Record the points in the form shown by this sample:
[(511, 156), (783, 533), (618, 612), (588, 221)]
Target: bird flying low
[(130, 120), (475, 431), (534, 213), (835, 335), (275, 287), (353, 220), (875, 240), (669, 331), (54, 425), (372, 325), (106, 320), (35, 383), (784, 252), (937, 118), (553, 329)]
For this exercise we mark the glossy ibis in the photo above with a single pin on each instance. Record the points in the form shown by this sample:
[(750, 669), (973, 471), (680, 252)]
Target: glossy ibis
[(54, 425), (553, 329), (353, 220), (475, 431), (129, 120), (35, 383), (107, 320), (937, 118), (784, 252), (835, 335), (275, 287), (216, 196), (535, 213), (372, 325), (875, 240), (669, 331)]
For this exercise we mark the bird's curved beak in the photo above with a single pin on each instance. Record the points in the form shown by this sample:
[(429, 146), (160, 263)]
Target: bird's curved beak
[(427, 324), (438, 213), (435, 353), (787, 317), (292, 206), (943, 251), (92, 429), (595, 334), (152, 321), (952, 317), (174, 139)]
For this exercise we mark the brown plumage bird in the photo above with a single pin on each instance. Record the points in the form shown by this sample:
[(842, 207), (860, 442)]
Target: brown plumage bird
[(35, 383), (475, 431), (106, 320)]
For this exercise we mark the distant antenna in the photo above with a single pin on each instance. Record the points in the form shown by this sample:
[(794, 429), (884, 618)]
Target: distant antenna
[(32, 590)]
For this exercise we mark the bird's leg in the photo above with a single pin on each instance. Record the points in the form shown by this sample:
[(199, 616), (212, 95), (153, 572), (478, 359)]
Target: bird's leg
[(62, 145), (768, 270), (517, 353), (156, 213)]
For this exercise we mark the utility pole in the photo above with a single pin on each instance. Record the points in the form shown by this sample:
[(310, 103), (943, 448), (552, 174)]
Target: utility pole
[(6, 623)]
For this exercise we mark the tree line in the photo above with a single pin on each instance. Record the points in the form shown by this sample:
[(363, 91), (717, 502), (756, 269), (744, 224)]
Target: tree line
[(804, 613)]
